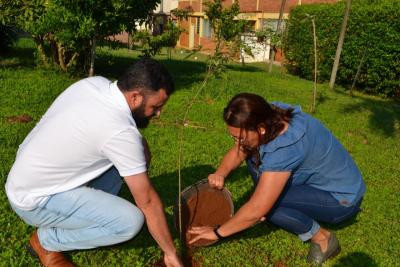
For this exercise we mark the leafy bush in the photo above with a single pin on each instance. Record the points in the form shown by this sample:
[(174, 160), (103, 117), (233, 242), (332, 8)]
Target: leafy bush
[(372, 34), (65, 32), (152, 44)]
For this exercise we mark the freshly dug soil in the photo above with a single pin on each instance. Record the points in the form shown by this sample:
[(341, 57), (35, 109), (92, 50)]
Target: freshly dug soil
[(19, 119), (188, 261), (204, 206)]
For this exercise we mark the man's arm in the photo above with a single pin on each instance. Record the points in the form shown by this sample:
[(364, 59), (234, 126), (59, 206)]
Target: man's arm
[(150, 204)]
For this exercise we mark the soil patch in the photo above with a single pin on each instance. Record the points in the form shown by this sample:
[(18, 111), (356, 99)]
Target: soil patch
[(19, 119), (187, 261)]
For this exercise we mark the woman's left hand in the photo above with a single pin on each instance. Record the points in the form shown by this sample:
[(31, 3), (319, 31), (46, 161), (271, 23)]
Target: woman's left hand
[(203, 232)]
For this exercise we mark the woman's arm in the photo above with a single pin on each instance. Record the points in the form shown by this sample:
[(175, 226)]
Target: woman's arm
[(268, 190), (232, 159)]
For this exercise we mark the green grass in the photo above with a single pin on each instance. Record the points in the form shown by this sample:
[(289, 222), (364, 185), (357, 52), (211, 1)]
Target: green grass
[(368, 127)]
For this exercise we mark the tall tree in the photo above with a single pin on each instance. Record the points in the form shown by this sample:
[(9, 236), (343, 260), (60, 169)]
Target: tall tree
[(340, 44)]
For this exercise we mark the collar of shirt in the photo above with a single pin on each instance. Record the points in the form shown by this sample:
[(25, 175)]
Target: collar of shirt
[(120, 98), (295, 131)]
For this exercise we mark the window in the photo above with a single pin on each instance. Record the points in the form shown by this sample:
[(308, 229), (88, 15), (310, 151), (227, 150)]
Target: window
[(272, 24), (198, 25), (206, 28)]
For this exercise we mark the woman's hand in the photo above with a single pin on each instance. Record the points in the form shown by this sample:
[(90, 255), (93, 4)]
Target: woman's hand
[(216, 180), (172, 260), (203, 232)]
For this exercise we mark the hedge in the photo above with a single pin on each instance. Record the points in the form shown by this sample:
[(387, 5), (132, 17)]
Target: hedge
[(373, 33)]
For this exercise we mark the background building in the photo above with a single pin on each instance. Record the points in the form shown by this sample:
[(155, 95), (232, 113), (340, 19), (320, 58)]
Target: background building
[(259, 14)]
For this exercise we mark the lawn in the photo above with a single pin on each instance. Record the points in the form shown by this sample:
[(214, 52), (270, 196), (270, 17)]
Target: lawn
[(369, 128)]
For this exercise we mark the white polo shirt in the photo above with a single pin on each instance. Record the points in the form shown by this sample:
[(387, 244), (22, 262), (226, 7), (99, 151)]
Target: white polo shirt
[(87, 129)]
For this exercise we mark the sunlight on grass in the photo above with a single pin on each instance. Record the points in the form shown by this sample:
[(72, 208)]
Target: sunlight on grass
[(369, 128)]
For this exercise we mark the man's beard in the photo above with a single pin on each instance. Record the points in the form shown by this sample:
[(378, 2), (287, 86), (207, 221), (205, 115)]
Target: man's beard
[(140, 119)]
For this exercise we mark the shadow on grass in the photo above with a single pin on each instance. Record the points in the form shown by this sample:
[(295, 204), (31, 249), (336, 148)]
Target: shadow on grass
[(356, 259), (244, 68), (260, 229), (18, 57), (385, 114)]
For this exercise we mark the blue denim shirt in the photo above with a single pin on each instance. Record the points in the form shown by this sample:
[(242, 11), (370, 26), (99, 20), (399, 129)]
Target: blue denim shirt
[(313, 156)]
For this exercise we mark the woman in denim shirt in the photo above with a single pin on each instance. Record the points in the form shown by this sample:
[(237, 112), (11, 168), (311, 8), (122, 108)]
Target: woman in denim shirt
[(302, 174)]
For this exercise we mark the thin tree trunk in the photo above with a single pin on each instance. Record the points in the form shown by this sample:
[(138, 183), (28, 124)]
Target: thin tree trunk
[(61, 58), (278, 32), (40, 49), (313, 105), (54, 52), (340, 45), (92, 56), (72, 60), (358, 71), (241, 50)]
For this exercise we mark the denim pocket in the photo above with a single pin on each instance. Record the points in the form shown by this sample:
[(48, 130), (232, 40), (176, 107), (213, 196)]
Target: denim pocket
[(348, 213)]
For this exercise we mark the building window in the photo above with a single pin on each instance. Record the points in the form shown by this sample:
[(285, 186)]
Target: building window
[(206, 28), (198, 25), (272, 24)]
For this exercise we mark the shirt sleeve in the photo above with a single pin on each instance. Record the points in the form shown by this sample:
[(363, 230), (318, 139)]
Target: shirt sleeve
[(125, 150), (283, 159)]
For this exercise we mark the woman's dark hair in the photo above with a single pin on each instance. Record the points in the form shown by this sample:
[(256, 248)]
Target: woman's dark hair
[(249, 112), (146, 74)]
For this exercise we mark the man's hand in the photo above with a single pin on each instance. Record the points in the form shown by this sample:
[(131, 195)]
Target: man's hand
[(216, 180), (172, 260)]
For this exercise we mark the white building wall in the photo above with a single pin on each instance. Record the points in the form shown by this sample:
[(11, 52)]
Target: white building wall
[(166, 6), (260, 50)]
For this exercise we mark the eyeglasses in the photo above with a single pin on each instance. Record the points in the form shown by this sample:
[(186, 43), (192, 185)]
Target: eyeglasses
[(237, 139)]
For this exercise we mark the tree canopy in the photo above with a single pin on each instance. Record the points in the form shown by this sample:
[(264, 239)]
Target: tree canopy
[(65, 30)]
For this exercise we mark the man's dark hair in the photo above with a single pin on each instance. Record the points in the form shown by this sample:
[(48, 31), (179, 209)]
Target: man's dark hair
[(146, 74)]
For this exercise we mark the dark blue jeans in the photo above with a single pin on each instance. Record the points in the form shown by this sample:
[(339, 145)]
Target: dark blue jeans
[(299, 208)]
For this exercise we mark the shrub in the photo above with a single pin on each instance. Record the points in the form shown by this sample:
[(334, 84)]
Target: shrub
[(372, 32)]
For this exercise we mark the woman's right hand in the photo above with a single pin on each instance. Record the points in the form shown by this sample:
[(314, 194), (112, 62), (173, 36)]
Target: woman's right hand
[(216, 180)]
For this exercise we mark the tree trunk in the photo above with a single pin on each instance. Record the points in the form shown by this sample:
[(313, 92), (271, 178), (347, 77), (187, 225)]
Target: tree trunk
[(40, 49), (340, 45), (358, 70), (72, 60), (313, 105), (278, 33), (61, 56), (92, 56), (54, 52)]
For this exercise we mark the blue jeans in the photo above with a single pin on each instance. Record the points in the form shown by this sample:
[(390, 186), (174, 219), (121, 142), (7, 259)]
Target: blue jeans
[(86, 217), (298, 209)]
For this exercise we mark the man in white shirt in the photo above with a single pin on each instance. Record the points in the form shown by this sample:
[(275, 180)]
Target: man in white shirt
[(67, 172)]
